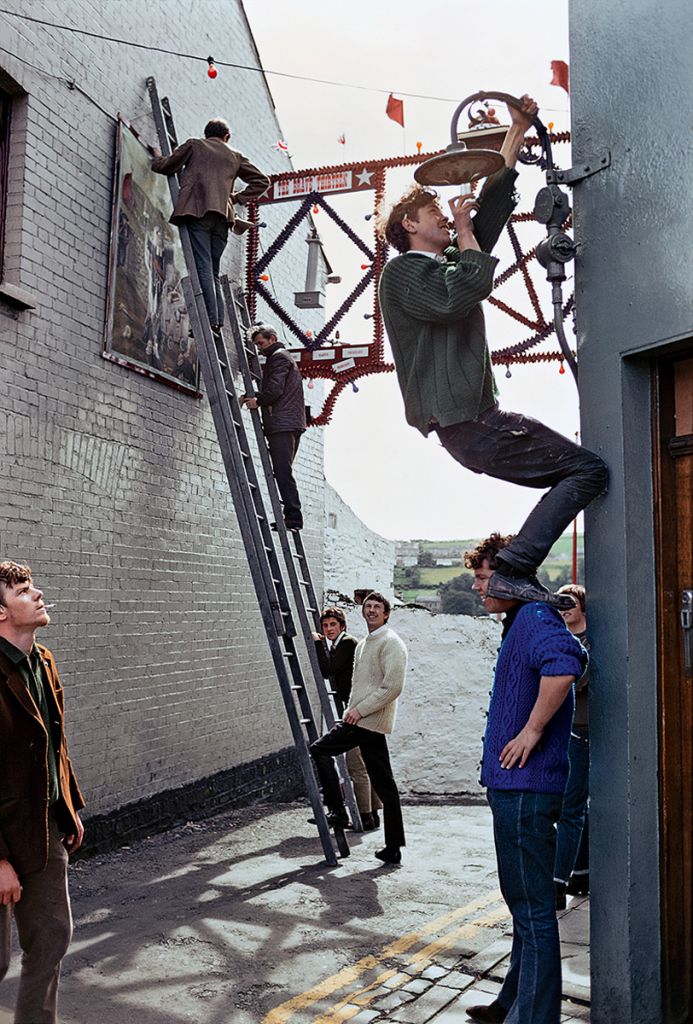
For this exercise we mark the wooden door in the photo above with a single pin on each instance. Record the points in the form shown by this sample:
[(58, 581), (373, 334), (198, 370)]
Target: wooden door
[(673, 461)]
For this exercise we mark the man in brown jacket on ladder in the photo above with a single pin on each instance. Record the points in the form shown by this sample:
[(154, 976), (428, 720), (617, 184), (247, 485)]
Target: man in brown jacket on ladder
[(205, 203)]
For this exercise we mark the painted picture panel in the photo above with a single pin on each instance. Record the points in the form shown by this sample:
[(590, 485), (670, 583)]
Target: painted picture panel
[(147, 325)]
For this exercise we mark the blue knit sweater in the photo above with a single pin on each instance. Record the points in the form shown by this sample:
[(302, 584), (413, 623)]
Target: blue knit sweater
[(537, 644)]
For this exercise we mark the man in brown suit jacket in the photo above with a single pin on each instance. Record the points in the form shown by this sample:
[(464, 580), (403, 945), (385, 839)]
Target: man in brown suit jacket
[(205, 202), (39, 800)]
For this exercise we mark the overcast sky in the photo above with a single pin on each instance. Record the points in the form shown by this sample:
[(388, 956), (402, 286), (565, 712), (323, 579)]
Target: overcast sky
[(401, 484)]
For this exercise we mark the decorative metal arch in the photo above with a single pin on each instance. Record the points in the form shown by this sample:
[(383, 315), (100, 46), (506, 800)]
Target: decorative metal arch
[(323, 356)]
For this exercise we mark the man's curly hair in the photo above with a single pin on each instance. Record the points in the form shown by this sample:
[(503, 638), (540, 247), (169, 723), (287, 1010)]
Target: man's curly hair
[(12, 573), (390, 228), (486, 550)]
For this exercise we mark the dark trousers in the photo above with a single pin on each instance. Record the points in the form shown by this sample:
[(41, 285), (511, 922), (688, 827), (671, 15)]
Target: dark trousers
[(44, 927), (525, 840), (376, 757), (282, 448), (571, 823), (516, 448), (208, 237)]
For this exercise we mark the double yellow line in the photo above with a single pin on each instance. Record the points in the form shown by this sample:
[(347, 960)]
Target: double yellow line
[(361, 994)]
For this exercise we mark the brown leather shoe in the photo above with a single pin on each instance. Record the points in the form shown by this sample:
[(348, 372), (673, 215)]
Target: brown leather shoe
[(489, 1013)]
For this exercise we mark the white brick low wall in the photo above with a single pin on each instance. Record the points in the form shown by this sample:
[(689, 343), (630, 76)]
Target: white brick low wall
[(356, 558)]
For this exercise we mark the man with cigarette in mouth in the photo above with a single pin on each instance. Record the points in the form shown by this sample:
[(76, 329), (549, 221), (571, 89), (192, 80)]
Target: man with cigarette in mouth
[(39, 800), (431, 300)]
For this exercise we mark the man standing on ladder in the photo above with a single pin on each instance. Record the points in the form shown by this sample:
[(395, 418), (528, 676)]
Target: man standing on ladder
[(282, 404), (205, 202)]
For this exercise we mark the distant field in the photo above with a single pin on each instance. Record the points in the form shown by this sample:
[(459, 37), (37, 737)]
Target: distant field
[(439, 574), (562, 549)]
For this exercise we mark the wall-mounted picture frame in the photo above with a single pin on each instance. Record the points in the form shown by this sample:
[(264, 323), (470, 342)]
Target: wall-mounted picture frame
[(147, 326)]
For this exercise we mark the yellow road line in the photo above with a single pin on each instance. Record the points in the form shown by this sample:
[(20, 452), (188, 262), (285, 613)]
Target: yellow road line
[(342, 1012), (348, 976)]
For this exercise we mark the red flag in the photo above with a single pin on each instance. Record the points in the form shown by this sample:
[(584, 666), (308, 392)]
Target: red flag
[(395, 109), (342, 139), (561, 75)]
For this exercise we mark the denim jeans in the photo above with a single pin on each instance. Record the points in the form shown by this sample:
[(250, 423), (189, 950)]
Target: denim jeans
[(282, 448), (519, 449), (376, 757), (208, 237), (525, 839), (572, 820)]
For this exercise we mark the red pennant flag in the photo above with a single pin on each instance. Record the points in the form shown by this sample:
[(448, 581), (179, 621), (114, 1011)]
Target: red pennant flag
[(342, 139), (395, 109), (561, 75)]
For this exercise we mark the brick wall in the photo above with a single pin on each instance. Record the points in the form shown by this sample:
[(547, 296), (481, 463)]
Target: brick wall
[(113, 485), (356, 558)]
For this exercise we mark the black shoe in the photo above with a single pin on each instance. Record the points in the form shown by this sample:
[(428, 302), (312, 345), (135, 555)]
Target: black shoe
[(561, 902), (579, 885), (334, 820), (525, 588), (492, 1013), (298, 525), (370, 821), (389, 855)]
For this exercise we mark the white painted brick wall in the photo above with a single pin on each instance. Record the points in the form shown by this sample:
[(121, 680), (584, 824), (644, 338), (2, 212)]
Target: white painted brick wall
[(441, 715), (356, 558), (113, 487)]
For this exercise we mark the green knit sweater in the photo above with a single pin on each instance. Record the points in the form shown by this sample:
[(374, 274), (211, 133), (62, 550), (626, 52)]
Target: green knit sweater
[(435, 323)]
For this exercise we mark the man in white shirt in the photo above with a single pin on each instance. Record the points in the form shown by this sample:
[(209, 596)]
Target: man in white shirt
[(380, 665)]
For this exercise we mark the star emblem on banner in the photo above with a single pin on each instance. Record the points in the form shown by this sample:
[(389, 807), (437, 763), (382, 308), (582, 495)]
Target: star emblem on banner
[(364, 177)]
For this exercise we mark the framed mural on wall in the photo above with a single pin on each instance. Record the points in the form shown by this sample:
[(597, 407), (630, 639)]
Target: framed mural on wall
[(147, 326)]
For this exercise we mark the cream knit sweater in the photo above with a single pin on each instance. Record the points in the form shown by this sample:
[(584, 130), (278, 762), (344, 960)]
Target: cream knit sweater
[(380, 665)]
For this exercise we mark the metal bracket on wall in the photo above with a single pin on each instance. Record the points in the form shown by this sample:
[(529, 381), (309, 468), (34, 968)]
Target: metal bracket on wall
[(574, 175)]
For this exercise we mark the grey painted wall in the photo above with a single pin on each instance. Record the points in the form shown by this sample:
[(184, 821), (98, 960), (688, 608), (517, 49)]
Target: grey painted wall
[(113, 487), (630, 91)]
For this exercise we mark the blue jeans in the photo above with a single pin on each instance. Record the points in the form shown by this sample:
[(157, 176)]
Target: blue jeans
[(572, 819), (208, 237), (519, 449), (525, 838)]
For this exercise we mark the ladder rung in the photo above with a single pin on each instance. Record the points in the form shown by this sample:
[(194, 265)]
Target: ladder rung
[(296, 688), (309, 609), (289, 654), (304, 583), (305, 721)]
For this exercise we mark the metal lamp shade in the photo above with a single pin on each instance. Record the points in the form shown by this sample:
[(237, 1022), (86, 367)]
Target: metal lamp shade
[(458, 165)]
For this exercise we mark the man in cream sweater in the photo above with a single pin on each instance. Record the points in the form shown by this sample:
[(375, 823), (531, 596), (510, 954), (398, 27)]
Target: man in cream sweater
[(380, 665)]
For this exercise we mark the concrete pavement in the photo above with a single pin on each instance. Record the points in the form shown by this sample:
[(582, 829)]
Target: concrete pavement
[(238, 920)]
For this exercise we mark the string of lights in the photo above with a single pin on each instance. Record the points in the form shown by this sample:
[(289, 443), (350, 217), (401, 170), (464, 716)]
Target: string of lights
[(212, 63)]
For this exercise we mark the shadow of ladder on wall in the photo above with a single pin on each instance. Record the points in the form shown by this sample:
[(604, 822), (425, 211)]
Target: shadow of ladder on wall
[(257, 533)]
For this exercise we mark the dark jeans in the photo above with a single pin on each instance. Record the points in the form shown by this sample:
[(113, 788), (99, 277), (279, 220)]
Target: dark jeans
[(208, 237), (282, 448), (44, 927), (525, 839), (572, 820), (521, 450), (376, 757)]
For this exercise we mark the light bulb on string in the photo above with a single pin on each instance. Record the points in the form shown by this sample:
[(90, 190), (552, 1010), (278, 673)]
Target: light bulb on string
[(508, 374), (311, 384), (561, 368), (211, 70), (354, 388)]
